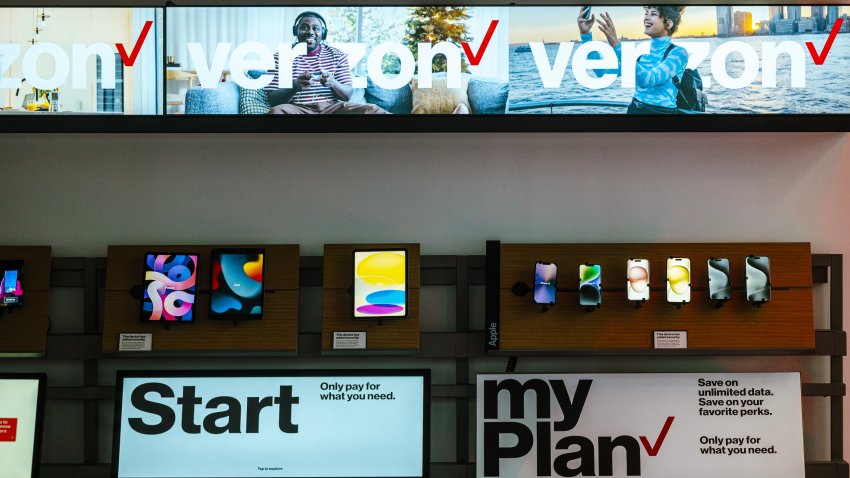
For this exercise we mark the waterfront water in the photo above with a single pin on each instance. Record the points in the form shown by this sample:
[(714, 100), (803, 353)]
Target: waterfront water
[(827, 87)]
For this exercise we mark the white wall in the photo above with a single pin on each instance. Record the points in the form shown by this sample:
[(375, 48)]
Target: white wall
[(450, 192)]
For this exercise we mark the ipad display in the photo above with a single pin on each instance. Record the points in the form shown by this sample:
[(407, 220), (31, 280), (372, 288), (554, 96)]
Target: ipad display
[(169, 288), (380, 284), (11, 283), (236, 285)]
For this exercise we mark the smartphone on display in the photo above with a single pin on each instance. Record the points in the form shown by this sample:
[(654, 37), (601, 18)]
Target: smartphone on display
[(169, 288), (12, 284), (545, 282), (236, 284), (637, 283), (678, 280), (719, 283), (758, 279), (587, 13), (590, 285), (380, 284)]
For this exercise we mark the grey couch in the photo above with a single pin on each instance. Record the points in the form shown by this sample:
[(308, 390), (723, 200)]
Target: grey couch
[(486, 96)]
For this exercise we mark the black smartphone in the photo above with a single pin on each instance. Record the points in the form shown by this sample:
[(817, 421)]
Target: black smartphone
[(12, 284), (545, 282), (586, 12)]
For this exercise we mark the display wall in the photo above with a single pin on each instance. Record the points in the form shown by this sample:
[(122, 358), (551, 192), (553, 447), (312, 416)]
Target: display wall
[(449, 192)]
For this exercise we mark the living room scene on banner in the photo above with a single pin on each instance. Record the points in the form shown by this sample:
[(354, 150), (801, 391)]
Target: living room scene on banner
[(91, 61)]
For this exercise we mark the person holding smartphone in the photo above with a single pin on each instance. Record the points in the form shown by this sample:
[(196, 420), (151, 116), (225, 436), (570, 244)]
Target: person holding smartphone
[(655, 90)]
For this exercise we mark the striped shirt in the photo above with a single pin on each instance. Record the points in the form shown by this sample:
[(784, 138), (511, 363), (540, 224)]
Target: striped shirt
[(653, 73), (325, 58)]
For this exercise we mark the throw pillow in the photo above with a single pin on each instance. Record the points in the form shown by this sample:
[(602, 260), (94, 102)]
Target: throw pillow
[(253, 102), (397, 102), (488, 96), (439, 98)]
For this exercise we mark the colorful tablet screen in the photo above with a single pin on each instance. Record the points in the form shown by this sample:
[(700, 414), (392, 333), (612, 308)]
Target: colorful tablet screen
[(380, 284), (236, 288), (170, 286)]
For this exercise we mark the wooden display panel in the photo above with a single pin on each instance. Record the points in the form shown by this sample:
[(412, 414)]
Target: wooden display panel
[(388, 335), (784, 323), (24, 331), (276, 332)]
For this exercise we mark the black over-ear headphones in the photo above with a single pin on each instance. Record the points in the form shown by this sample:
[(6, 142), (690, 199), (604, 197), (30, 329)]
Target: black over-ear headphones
[(310, 14)]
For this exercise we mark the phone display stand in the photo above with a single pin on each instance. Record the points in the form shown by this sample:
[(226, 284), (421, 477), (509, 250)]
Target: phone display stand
[(516, 325), (759, 303), (520, 289)]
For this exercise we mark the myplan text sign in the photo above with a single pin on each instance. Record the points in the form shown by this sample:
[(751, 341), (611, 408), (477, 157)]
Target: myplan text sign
[(652, 425)]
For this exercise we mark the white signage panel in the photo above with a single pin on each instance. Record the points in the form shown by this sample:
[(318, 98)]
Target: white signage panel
[(269, 425), (652, 425), (18, 426)]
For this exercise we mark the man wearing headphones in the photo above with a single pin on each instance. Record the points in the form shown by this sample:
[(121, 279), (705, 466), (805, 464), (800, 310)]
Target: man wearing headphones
[(321, 79)]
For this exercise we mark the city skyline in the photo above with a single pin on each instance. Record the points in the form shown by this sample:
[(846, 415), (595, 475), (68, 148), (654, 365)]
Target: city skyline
[(559, 23)]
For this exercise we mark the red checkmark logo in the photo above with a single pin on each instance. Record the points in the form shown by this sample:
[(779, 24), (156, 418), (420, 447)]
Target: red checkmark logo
[(819, 59), (475, 58), (129, 60), (653, 450)]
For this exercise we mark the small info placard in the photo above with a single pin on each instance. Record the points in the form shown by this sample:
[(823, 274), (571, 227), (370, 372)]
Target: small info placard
[(670, 339), (349, 340), (135, 342)]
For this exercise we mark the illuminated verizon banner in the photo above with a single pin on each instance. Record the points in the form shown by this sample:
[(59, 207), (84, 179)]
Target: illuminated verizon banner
[(428, 60), (524, 60), (269, 424), (652, 425), (585, 58)]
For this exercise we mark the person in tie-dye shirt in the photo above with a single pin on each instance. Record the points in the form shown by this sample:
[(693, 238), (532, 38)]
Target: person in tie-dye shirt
[(655, 90)]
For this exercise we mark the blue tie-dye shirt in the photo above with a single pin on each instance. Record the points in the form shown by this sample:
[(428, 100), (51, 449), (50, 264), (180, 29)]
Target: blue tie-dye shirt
[(653, 74)]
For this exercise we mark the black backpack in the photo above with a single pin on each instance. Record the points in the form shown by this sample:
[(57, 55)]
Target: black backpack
[(690, 97)]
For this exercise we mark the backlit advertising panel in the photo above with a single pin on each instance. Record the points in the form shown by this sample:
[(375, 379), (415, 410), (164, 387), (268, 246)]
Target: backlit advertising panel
[(563, 60), (366, 423)]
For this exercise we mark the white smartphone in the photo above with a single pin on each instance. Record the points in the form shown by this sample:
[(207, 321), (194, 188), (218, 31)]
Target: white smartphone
[(758, 279), (637, 279), (678, 280), (719, 284)]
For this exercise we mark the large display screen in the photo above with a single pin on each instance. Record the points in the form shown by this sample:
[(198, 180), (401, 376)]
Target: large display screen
[(515, 60), (358, 423), (86, 61), (21, 412)]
